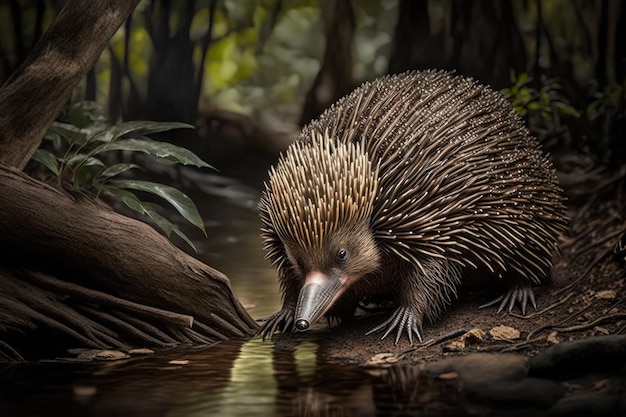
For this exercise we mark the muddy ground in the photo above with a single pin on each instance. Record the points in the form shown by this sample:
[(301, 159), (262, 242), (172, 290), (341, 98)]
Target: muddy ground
[(585, 298)]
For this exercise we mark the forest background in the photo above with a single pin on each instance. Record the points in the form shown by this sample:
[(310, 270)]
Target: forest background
[(275, 64)]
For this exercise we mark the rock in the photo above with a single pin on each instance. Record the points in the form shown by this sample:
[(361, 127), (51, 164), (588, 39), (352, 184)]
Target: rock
[(527, 393), (568, 359), (179, 362), (141, 351), (588, 404), (481, 368), (101, 355)]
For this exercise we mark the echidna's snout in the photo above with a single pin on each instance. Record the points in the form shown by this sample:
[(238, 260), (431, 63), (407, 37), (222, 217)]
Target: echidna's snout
[(316, 297)]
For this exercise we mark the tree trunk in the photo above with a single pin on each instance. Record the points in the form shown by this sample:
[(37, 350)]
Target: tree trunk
[(334, 79), (90, 248), (40, 87)]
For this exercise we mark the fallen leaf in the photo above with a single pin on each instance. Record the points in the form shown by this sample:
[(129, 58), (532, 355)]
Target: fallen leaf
[(454, 346), (179, 362), (553, 339), (504, 333), (382, 359), (141, 351)]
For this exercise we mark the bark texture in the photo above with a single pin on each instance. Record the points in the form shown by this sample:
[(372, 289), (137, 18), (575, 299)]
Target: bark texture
[(40, 87)]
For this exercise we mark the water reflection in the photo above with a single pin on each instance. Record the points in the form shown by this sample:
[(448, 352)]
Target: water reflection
[(229, 379)]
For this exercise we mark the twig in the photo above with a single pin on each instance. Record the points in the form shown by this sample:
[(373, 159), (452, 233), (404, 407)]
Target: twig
[(549, 326), (433, 342), (597, 259), (585, 326), (602, 240), (519, 345)]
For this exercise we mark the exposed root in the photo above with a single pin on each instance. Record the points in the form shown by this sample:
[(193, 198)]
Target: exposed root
[(591, 324), (89, 318)]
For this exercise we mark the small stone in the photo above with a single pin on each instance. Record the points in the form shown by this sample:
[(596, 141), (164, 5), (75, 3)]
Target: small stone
[(569, 359), (504, 333), (447, 376), (606, 295), (179, 362), (110, 355), (102, 355), (84, 390)]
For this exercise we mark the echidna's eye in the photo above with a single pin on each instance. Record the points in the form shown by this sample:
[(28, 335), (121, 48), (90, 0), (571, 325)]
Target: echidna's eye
[(342, 255)]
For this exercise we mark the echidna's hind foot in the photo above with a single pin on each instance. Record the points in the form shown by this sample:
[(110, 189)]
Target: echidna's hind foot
[(402, 320), (280, 321), (519, 294)]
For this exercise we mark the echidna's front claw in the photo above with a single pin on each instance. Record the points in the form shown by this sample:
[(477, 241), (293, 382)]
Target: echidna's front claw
[(521, 294), (403, 319), (280, 321)]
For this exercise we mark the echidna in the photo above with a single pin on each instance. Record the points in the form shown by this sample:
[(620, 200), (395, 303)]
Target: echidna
[(400, 190)]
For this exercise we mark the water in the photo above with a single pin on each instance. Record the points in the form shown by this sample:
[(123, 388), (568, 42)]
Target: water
[(229, 379)]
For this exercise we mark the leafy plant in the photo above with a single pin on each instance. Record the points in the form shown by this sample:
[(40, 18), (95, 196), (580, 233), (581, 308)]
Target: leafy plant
[(610, 102), (607, 115), (545, 101), (80, 163)]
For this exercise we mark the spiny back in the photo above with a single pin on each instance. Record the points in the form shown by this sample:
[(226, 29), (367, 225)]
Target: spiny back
[(459, 176)]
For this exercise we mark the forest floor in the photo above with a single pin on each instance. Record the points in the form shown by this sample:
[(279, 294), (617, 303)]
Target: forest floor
[(587, 297)]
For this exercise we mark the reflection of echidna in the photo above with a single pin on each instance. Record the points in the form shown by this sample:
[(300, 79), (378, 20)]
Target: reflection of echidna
[(400, 190)]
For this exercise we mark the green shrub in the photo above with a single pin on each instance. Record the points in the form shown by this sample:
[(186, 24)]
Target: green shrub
[(80, 163)]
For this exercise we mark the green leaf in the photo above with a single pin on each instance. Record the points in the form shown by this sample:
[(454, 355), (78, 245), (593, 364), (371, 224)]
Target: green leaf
[(117, 169), (137, 128), (83, 177), (48, 160), (566, 109), (155, 149), (181, 202), (75, 135), (184, 237), (55, 138), (81, 159), (149, 209)]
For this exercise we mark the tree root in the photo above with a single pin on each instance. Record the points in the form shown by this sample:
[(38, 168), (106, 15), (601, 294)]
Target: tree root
[(90, 318)]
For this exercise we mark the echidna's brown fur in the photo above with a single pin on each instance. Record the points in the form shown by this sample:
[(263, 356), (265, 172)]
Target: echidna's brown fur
[(441, 172)]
